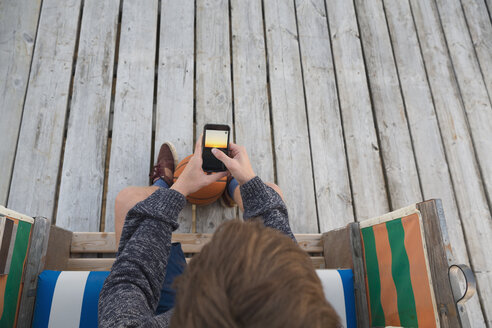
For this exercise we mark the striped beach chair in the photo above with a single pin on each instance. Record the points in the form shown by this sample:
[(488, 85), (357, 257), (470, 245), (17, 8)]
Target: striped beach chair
[(398, 272), (401, 262), (393, 270)]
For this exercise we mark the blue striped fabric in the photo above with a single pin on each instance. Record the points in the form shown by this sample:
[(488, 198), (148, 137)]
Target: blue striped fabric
[(77, 310), (44, 296), (348, 291), (95, 283), (338, 283)]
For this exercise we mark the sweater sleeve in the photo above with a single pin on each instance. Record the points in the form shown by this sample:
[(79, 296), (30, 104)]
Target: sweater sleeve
[(131, 292), (261, 200)]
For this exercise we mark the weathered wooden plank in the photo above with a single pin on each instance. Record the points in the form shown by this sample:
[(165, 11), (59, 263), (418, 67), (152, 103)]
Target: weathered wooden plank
[(93, 242), (290, 127), (34, 266), (465, 175), (40, 140), (471, 85), (82, 177), (433, 170), (330, 169), (131, 140), (360, 289), (97, 264), (174, 109), (394, 136), (18, 26), (438, 263), (104, 242), (368, 186), (480, 27), (94, 264), (213, 88), (250, 86)]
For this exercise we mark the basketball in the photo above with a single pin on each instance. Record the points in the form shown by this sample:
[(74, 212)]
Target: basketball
[(206, 195)]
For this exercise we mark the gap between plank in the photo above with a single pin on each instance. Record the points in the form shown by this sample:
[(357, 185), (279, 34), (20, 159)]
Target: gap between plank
[(193, 207), (102, 222), (307, 116), (375, 122), (340, 111), (156, 82), (403, 101), (236, 208), (269, 94)]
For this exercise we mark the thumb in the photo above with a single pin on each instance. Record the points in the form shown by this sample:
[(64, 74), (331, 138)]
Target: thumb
[(221, 156)]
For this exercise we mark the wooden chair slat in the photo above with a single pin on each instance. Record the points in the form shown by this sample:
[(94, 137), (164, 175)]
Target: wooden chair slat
[(102, 264), (104, 242)]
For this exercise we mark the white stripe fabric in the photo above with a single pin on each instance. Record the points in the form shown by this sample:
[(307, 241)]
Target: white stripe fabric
[(333, 289), (67, 299)]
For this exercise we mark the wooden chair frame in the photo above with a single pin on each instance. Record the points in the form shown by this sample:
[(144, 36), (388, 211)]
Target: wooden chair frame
[(54, 248)]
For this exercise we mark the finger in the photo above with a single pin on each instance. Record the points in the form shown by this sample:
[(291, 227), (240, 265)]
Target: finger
[(233, 150), (221, 156), (233, 147), (198, 146), (216, 177)]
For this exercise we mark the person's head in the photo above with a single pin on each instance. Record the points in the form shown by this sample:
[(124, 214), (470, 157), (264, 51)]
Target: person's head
[(251, 276)]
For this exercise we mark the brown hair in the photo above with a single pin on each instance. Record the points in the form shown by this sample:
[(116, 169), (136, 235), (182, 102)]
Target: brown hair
[(251, 276)]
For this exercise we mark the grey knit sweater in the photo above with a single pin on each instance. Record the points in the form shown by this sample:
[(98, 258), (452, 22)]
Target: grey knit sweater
[(131, 292)]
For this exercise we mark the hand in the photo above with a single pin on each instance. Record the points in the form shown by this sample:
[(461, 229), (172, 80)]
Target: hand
[(193, 178), (238, 164)]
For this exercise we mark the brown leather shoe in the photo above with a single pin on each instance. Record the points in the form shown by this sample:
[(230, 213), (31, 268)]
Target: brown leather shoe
[(165, 165)]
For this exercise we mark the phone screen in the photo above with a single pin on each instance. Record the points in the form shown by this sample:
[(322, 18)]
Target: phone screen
[(214, 139)]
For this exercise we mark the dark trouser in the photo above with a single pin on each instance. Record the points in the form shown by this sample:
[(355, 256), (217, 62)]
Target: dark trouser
[(175, 267)]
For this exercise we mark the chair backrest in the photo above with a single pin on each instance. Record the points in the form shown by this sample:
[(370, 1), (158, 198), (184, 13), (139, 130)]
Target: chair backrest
[(397, 269), (93, 243)]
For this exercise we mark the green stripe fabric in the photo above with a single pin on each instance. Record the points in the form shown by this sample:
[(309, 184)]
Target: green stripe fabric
[(400, 268), (373, 280), (15, 274)]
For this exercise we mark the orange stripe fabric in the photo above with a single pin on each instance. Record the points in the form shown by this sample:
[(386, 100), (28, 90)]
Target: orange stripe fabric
[(388, 288), (418, 271), (3, 283)]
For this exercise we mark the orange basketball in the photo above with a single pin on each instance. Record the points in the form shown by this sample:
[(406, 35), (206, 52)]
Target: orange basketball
[(207, 194)]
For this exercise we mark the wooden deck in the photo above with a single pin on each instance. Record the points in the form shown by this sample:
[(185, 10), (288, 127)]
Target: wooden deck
[(352, 108)]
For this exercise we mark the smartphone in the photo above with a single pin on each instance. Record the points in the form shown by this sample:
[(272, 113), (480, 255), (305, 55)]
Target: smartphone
[(214, 136)]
